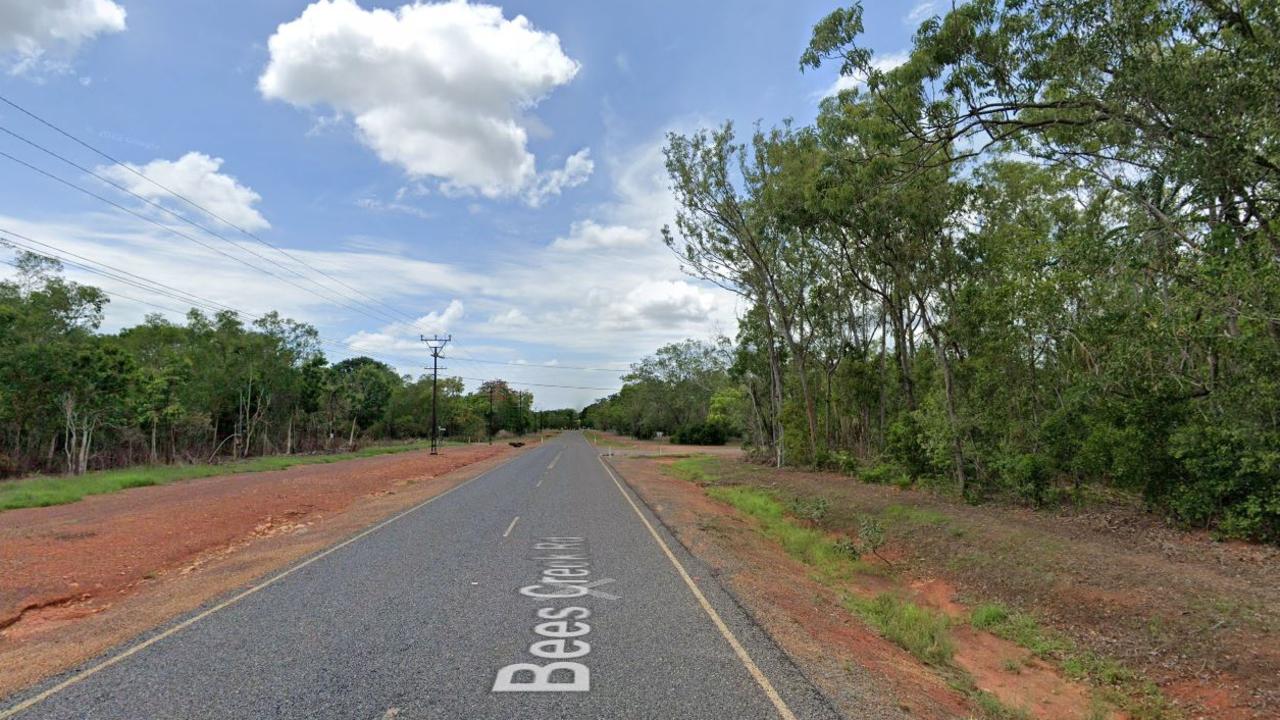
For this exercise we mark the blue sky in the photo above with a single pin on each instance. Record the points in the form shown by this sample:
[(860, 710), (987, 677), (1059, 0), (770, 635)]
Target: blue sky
[(491, 177)]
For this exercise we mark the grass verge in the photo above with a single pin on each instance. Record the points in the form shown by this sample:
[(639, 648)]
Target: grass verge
[(1139, 698), (921, 631), (46, 490), (812, 547), (697, 469)]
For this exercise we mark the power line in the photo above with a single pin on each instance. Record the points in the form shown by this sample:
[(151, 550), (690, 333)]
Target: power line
[(158, 288), (168, 290), (194, 204), (382, 317), (180, 234), (182, 218), (116, 294), (155, 287), (549, 367), (545, 385)]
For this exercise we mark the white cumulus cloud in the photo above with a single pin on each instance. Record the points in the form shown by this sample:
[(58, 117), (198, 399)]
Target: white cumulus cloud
[(883, 63), (198, 178), (43, 34), (441, 90), (591, 235)]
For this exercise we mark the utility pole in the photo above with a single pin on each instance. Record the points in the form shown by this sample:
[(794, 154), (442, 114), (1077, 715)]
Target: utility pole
[(436, 344), (490, 412)]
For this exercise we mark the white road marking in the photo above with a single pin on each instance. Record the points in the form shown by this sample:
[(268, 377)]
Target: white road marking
[(554, 460), (512, 526), (37, 699), (539, 483), (738, 649)]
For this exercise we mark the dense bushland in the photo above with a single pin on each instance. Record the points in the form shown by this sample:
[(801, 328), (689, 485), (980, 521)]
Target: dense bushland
[(73, 399), (1040, 256)]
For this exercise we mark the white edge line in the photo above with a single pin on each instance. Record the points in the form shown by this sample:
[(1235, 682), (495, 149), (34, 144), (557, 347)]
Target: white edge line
[(512, 526), (738, 649), (74, 679)]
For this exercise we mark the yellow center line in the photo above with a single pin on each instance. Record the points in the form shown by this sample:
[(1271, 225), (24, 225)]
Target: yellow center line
[(738, 649)]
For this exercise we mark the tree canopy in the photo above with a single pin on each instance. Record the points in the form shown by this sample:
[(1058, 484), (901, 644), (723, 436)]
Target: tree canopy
[(1040, 255)]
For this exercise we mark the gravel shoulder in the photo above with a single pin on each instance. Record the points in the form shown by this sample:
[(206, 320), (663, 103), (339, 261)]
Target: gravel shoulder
[(80, 578), (1196, 621)]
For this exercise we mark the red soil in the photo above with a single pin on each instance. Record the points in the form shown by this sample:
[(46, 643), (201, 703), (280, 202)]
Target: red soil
[(76, 579)]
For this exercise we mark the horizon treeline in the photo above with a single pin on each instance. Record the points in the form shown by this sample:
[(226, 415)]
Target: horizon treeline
[(73, 399), (1037, 258)]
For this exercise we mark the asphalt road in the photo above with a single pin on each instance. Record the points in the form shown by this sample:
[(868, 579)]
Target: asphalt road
[(432, 615)]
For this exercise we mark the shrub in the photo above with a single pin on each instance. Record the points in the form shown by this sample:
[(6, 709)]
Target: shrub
[(813, 509), (903, 444), (1028, 474), (886, 474), (712, 432), (1232, 480), (848, 548), (841, 461)]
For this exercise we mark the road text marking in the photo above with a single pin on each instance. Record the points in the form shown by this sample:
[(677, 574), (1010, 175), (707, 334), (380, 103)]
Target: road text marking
[(738, 649), (566, 573), (512, 526)]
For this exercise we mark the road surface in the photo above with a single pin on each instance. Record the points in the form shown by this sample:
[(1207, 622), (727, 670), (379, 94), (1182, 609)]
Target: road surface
[(541, 589)]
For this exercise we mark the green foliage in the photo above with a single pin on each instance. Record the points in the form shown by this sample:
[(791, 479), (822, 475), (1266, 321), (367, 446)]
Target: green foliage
[(870, 534), (992, 709), (213, 388), (808, 545), (44, 491), (813, 509), (1034, 256), (886, 473), (711, 432), (1232, 480), (913, 515), (920, 631), (695, 469), (842, 461), (682, 391), (905, 447)]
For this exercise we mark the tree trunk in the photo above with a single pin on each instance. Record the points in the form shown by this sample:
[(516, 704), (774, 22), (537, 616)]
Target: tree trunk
[(86, 441), (948, 384), (71, 431), (810, 411)]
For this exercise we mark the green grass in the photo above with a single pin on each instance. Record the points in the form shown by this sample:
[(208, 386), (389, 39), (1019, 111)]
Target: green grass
[(1140, 699), (46, 490), (920, 631), (992, 709), (810, 546), (913, 515), (698, 469)]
